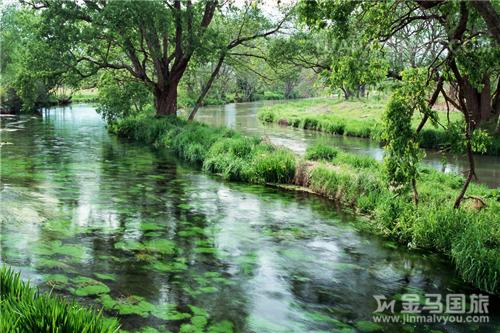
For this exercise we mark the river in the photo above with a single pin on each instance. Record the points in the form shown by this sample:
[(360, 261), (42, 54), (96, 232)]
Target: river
[(163, 245), (243, 117)]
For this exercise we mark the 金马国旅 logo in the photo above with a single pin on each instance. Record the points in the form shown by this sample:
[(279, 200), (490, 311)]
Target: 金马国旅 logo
[(432, 308)]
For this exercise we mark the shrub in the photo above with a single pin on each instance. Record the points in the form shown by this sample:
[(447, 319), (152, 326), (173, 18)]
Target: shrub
[(266, 116), (24, 309)]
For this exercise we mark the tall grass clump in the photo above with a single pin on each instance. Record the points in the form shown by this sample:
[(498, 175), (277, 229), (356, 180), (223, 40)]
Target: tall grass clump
[(321, 151), (218, 150), (24, 309)]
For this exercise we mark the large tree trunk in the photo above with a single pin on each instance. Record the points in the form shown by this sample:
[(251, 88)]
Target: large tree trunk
[(166, 100)]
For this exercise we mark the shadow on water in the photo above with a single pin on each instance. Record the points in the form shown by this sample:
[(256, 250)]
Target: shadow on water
[(157, 243)]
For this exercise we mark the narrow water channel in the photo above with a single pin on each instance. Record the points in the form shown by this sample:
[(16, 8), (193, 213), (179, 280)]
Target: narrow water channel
[(160, 244), (243, 116)]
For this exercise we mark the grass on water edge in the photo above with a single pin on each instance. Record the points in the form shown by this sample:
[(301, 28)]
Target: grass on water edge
[(358, 118), (470, 236), (24, 309)]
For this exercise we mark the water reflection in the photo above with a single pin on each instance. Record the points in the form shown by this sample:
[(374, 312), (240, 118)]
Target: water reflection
[(160, 244)]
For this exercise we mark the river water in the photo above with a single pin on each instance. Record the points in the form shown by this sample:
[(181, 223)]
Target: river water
[(243, 117), (163, 246)]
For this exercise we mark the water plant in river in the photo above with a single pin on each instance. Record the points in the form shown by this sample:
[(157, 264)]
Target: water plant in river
[(24, 309), (86, 286), (469, 236), (58, 248)]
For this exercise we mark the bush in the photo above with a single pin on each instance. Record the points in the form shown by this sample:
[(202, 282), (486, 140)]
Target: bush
[(24, 309), (266, 116)]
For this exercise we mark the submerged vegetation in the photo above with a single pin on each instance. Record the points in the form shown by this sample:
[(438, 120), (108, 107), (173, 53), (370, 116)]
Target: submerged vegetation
[(470, 236), (143, 58), (24, 309)]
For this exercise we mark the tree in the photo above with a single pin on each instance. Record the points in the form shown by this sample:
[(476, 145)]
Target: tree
[(152, 40), (239, 31), (27, 79), (465, 51), (346, 63)]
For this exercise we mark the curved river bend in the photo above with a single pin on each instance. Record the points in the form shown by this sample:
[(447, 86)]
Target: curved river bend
[(162, 245), (243, 117)]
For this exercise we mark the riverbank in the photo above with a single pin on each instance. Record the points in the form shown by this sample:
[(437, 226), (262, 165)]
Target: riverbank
[(356, 118), (25, 309), (470, 236)]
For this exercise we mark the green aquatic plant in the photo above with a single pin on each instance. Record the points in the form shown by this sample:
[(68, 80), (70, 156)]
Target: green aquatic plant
[(168, 312), (86, 286), (148, 226), (24, 309), (368, 326), (133, 305), (103, 276), (53, 264), (130, 305), (61, 228), (129, 245), (56, 281), (57, 247), (176, 266), (163, 246)]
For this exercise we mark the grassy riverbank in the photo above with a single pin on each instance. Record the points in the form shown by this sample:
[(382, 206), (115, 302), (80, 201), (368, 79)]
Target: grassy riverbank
[(358, 118), (470, 236), (24, 309)]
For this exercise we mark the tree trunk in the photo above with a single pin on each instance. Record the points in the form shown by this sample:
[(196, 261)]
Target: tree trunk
[(207, 86), (346, 92), (166, 100), (415, 192), (470, 175), (362, 90)]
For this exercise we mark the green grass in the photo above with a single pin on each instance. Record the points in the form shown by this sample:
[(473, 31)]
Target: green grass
[(84, 96), (24, 309), (469, 236), (217, 150), (358, 118)]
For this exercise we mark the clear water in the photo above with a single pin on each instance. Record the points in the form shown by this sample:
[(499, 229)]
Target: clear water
[(243, 116), (161, 244)]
